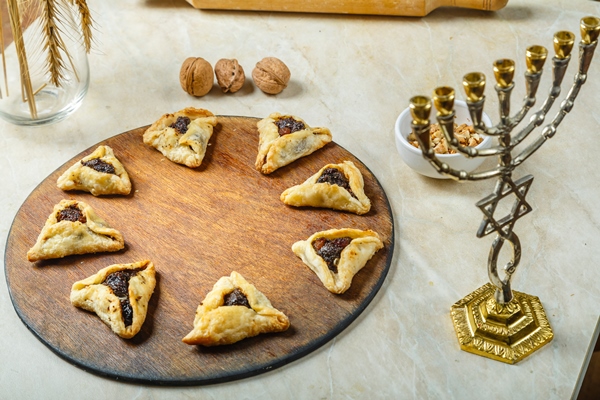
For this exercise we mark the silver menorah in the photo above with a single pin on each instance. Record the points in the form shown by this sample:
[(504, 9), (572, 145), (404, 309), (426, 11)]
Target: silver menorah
[(494, 321)]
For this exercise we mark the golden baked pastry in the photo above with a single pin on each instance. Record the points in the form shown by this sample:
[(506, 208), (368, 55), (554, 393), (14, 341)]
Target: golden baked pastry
[(234, 310), (74, 228), (286, 138), (337, 255), (182, 137), (99, 173), (119, 295), (337, 186)]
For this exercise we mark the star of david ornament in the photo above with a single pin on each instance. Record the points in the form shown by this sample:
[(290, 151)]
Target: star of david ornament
[(520, 207)]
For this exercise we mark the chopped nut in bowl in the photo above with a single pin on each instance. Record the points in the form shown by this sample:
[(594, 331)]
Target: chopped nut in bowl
[(464, 132)]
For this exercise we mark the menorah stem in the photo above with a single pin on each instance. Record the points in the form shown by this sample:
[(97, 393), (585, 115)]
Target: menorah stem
[(476, 112), (559, 67), (586, 53), (446, 123), (504, 102), (532, 82), (503, 289), (505, 158)]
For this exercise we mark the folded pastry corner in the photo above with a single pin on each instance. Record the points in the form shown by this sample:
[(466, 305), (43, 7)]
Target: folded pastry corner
[(336, 186), (74, 228), (284, 139), (182, 137), (234, 310), (99, 173), (119, 294), (336, 255)]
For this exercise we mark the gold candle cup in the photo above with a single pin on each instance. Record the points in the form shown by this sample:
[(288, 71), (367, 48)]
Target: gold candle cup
[(504, 72), (590, 28), (563, 43), (474, 84), (535, 57), (443, 99), (420, 109)]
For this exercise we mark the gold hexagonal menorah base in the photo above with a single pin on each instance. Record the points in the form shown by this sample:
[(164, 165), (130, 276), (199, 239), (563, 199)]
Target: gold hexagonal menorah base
[(506, 333)]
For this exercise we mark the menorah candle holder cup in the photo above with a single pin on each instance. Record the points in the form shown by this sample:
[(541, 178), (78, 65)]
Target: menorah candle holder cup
[(494, 321)]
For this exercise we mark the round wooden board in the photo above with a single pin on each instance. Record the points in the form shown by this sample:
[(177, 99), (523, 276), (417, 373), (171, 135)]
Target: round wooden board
[(196, 225)]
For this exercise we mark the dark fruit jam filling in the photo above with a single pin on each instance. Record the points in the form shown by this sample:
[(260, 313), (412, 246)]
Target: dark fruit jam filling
[(71, 213), (330, 250), (289, 125), (118, 282), (181, 125), (236, 298), (99, 165), (334, 176)]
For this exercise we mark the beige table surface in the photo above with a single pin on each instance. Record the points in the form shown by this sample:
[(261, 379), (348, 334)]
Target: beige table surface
[(353, 74)]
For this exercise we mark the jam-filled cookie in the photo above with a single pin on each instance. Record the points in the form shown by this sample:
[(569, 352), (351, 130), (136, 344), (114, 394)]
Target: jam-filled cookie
[(119, 295), (284, 139), (182, 137), (99, 173), (74, 228), (234, 310), (337, 255), (337, 186)]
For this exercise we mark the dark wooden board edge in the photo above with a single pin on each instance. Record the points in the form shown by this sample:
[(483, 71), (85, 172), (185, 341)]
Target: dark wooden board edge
[(226, 377)]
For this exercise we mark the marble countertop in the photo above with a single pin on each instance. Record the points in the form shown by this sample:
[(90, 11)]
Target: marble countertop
[(353, 74)]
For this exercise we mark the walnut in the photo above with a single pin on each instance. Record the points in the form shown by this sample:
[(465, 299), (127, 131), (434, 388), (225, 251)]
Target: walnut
[(230, 75), (196, 76), (271, 75)]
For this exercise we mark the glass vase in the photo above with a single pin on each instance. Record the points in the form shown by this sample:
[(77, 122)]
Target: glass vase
[(49, 66)]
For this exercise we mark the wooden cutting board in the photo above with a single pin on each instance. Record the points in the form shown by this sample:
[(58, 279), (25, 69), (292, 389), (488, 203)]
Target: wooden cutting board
[(196, 225), (411, 8)]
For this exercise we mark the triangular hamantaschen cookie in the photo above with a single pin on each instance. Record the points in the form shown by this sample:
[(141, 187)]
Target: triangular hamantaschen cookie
[(119, 295), (74, 228), (99, 173), (284, 139), (234, 310), (337, 255), (336, 186)]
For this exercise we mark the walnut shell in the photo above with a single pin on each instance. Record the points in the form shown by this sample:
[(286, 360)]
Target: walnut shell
[(230, 75), (271, 75), (196, 76)]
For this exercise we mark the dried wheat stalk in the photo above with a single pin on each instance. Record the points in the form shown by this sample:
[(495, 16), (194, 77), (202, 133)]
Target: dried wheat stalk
[(53, 44), (54, 18), (85, 20), (3, 58), (17, 31)]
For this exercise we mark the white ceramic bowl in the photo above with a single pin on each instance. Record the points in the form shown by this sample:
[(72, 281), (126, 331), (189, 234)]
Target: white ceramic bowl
[(413, 157)]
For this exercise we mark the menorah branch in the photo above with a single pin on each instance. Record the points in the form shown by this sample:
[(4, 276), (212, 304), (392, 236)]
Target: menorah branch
[(476, 112), (585, 56), (532, 81), (504, 103), (446, 123), (422, 133)]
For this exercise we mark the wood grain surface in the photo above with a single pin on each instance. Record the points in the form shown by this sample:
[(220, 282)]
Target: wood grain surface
[(412, 8), (196, 225)]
